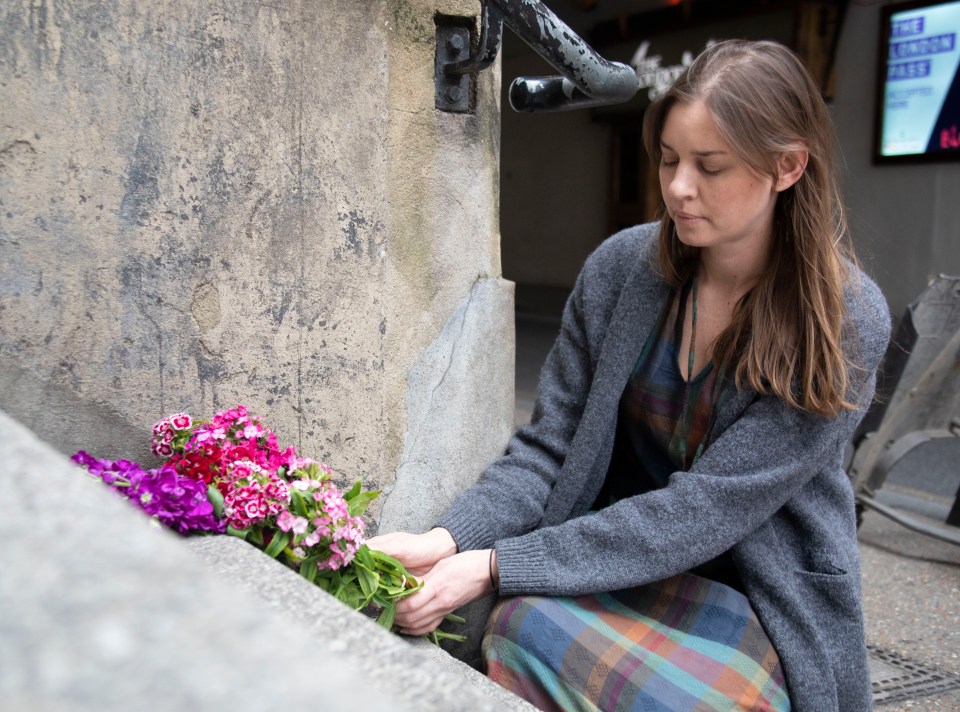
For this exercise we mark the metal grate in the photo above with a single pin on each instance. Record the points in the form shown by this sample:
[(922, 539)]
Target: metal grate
[(895, 678)]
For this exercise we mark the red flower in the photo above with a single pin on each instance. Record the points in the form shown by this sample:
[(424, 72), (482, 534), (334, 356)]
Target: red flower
[(200, 464)]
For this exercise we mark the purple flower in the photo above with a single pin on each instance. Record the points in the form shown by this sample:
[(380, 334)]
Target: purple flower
[(177, 502)]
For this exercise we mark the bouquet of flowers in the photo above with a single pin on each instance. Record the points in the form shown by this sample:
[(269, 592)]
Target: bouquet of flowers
[(229, 475)]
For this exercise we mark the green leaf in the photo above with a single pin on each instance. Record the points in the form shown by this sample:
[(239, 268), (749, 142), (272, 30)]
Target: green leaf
[(387, 616), (299, 505), (216, 499), (323, 582), (366, 558), (312, 560), (348, 594), (354, 491), (241, 533), (411, 589), (369, 581), (277, 544), (439, 635), (387, 560), (308, 571), (359, 503)]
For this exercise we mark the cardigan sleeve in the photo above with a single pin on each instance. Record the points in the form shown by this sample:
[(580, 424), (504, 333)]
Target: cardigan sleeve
[(765, 458)]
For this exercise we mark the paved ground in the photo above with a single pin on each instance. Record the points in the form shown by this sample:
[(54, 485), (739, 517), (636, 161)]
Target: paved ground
[(911, 583), (911, 591)]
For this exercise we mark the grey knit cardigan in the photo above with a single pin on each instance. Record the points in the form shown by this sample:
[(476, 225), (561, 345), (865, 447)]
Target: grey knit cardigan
[(771, 487)]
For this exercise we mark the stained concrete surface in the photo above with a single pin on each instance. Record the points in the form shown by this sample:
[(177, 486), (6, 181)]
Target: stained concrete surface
[(212, 203)]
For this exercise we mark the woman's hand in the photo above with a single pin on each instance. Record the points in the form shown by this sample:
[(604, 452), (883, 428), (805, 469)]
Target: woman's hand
[(417, 552), (450, 584)]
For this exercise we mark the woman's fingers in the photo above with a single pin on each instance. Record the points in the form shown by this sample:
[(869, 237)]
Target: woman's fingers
[(429, 627), (452, 583), (417, 552), (393, 544)]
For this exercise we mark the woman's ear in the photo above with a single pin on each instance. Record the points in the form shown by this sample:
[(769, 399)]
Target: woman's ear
[(790, 166)]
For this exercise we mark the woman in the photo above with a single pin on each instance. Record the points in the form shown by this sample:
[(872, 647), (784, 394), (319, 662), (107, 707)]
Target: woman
[(674, 529)]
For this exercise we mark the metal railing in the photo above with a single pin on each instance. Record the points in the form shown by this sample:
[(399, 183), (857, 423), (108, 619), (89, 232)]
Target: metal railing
[(586, 78)]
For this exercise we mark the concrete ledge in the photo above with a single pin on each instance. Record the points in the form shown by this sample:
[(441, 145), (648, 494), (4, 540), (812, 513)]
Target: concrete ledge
[(102, 610), (410, 670)]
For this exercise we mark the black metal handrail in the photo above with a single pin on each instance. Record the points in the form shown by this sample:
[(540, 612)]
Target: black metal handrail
[(587, 78)]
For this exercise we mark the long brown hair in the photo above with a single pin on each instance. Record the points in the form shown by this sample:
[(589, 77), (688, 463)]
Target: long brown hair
[(785, 336)]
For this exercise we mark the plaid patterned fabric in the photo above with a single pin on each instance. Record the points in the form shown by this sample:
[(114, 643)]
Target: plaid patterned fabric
[(686, 643), (660, 409)]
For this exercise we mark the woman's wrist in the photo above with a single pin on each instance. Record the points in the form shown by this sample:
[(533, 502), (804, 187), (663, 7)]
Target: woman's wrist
[(443, 542)]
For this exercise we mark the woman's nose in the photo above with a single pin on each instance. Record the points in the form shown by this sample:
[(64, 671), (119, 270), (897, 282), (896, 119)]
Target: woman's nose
[(682, 183)]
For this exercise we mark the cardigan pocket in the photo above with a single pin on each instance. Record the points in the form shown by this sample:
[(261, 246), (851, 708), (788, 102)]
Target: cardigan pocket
[(819, 562), (826, 586), (830, 589), (833, 600)]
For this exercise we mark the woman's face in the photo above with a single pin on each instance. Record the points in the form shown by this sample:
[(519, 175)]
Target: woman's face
[(715, 199)]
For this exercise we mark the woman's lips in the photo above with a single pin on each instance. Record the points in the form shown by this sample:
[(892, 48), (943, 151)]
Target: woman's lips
[(686, 217)]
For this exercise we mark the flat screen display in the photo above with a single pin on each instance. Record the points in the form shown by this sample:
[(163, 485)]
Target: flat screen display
[(918, 115)]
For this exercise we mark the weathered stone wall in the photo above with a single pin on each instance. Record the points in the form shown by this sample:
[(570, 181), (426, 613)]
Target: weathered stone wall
[(206, 203)]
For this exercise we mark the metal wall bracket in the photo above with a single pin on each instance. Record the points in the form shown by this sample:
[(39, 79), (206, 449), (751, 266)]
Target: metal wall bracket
[(456, 64), (453, 89)]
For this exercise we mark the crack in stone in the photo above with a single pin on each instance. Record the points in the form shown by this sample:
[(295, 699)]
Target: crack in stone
[(411, 451), (450, 362)]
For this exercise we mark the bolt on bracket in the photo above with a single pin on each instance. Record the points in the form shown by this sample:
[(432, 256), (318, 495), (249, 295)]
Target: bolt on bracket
[(452, 89), (458, 61)]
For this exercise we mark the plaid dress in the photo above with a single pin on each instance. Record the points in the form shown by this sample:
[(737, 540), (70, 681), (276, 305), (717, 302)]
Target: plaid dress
[(691, 642)]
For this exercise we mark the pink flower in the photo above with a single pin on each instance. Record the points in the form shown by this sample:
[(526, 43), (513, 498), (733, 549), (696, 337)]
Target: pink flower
[(250, 431), (276, 489), (181, 421), (340, 557), (333, 503), (352, 532), (242, 469), (333, 563), (287, 522), (251, 494), (162, 449), (289, 459), (226, 417)]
